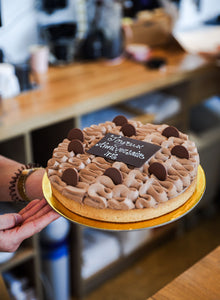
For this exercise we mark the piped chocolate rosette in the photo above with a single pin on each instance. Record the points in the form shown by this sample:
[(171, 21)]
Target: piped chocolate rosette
[(105, 172)]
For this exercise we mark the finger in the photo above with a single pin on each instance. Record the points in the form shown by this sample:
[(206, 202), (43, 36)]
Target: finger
[(206, 54), (28, 229), (213, 55), (33, 209), (10, 220), (29, 206), (42, 211)]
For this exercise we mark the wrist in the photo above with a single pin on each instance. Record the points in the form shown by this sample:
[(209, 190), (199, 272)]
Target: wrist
[(26, 185), (33, 184)]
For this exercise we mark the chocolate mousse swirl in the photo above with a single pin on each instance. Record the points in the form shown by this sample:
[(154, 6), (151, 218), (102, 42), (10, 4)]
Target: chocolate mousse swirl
[(139, 188)]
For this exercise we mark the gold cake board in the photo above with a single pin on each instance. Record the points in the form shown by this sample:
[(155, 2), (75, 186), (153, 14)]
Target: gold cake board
[(152, 223)]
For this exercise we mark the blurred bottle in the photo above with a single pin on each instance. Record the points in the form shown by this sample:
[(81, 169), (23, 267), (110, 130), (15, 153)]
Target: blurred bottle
[(55, 260), (112, 24), (93, 44), (9, 83), (132, 7), (128, 9), (1, 56)]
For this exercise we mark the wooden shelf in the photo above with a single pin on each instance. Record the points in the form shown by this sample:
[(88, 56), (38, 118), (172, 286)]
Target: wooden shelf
[(124, 261), (81, 88), (3, 289), (21, 256)]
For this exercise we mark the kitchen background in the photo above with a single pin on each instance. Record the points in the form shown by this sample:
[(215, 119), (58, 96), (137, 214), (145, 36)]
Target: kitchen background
[(30, 22), (21, 24)]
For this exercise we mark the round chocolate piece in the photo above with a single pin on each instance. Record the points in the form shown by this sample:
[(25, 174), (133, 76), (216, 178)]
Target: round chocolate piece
[(158, 170), (76, 146), (180, 151), (114, 174), (170, 131), (70, 176), (120, 120), (128, 130), (75, 134)]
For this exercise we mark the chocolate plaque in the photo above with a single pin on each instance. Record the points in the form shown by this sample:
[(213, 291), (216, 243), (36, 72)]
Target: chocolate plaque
[(124, 149)]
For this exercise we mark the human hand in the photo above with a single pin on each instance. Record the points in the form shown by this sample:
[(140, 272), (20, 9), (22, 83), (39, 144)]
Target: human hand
[(16, 227), (211, 55)]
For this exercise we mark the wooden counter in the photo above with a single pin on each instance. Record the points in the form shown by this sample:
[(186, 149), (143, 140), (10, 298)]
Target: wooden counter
[(80, 88), (201, 281)]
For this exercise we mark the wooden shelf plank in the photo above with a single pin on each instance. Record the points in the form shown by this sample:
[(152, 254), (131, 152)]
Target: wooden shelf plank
[(3, 289), (124, 261), (21, 256)]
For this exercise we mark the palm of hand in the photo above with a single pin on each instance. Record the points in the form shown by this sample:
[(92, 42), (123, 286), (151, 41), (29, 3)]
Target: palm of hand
[(34, 217)]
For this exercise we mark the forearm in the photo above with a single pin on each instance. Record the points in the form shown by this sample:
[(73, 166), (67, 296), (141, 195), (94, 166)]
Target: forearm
[(8, 168), (33, 185)]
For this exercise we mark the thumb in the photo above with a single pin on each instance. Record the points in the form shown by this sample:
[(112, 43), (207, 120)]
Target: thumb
[(9, 220)]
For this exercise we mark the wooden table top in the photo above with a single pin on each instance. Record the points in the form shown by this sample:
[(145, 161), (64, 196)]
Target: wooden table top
[(200, 282), (80, 88)]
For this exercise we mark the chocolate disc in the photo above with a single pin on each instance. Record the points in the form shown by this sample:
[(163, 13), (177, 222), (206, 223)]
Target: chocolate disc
[(70, 176), (180, 151), (120, 120), (128, 130), (114, 174), (170, 131), (158, 170), (76, 146), (75, 134)]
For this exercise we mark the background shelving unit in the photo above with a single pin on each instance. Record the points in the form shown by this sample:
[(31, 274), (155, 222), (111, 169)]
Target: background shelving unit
[(50, 124), (25, 264), (29, 254)]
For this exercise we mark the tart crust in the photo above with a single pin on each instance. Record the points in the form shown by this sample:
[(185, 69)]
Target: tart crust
[(125, 216)]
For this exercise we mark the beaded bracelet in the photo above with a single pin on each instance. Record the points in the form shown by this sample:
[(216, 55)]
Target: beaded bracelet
[(17, 184)]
